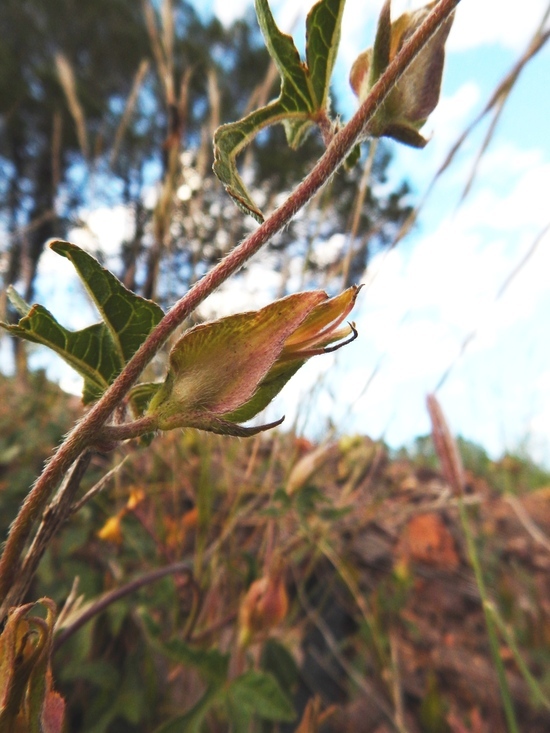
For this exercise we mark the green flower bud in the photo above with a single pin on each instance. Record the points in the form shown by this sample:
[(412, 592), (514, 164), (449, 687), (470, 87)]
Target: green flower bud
[(416, 94)]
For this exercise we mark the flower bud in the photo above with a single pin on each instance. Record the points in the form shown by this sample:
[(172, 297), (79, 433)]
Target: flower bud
[(416, 94), (225, 372), (264, 606)]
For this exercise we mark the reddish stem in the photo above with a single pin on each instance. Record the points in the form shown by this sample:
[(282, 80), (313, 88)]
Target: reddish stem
[(83, 434)]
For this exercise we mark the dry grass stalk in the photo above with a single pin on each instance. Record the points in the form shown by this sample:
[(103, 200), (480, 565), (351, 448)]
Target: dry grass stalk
[(68, 83)]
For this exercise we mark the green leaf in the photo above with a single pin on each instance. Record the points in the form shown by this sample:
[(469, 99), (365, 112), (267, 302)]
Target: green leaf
[(99, 672), (230, 139), (278, 661), (353, 158), (295, 82), (191, 721), (323, 26), (302, 99), (90, 351), (129, 318), (20, 305), (211, 664), (98, 352), (240, 718), (259, 693)]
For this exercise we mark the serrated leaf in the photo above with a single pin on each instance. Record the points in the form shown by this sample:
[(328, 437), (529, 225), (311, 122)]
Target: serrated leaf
[(98, 352), (323, 26), (89, 351), (303, 95), (129, 317), (259, 693)]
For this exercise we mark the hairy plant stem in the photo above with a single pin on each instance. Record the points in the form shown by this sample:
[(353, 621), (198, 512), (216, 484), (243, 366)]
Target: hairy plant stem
[(85, 432), (53, 517)]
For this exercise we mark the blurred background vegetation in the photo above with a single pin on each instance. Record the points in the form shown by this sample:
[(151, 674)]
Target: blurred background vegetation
[(104, 117), (383, 628)]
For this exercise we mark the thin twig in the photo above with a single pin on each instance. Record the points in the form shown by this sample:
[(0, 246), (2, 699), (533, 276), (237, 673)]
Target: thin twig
[(128, 110), (531, 527), (117, 593), (97, 487), (54, 517)]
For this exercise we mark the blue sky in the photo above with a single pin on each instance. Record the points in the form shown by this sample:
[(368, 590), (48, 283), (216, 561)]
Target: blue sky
[(424, 298)]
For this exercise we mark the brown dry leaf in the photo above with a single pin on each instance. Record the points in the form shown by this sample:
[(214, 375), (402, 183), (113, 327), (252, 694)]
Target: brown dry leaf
[(313, 717), (426, 539)]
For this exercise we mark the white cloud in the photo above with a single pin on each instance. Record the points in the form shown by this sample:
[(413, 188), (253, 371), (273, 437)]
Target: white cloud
[(423, 299), (228, 12), (105, 229), (485, 22), (250, 290)]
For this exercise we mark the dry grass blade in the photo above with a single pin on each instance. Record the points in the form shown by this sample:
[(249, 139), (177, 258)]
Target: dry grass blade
[(158, 51), (357, 209), (451, 466), (84, 613), (57, 129), (98, 487), (129, 109), (445, 447), (68, 83), (495, 104), (183, 101), (532, 528), (167, 19), (505, 285), (214, 99), (262, 92)]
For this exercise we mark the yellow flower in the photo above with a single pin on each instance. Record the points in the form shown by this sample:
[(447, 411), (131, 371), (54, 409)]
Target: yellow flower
[(111, 530)]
